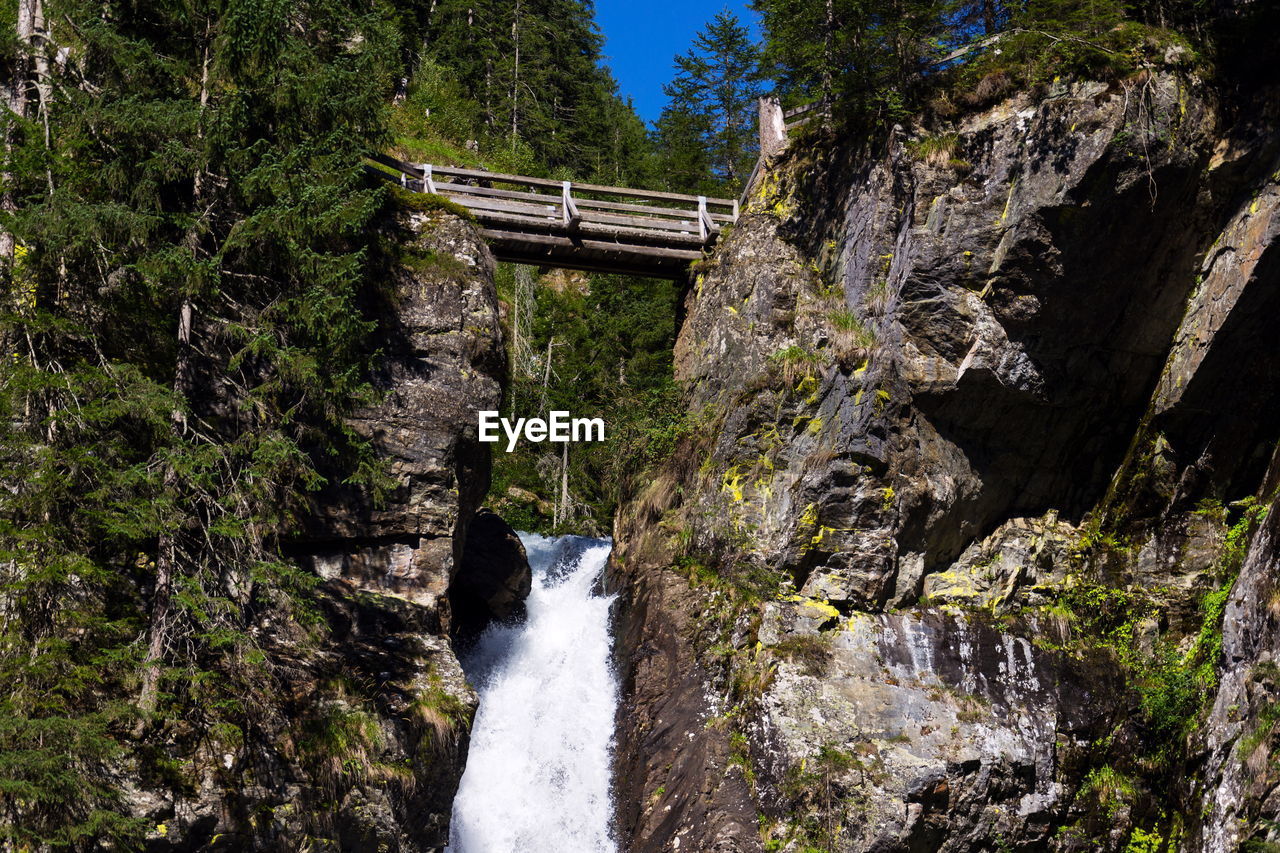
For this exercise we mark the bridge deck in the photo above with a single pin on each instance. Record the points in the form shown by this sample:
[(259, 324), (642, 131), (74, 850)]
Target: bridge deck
[(576, 226)]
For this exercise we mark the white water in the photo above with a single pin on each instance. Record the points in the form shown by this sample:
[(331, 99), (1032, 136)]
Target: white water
[(538, 771)]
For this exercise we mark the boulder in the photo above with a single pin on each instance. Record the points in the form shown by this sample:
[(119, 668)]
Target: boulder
[(494, 579)]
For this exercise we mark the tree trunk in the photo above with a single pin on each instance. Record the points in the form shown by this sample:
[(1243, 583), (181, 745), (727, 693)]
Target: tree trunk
[(546, 377), (30, 17), (564, 484), (828, 51), (515, 77), (167, 557), (489, 118)]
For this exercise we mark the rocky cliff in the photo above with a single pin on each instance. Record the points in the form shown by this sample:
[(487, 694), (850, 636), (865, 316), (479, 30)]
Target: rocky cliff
[(366, 743), (980, 420)]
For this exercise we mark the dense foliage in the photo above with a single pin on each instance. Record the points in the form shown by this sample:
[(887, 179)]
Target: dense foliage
[(881, 61), (597, 346), (190, 231), (524, 81)]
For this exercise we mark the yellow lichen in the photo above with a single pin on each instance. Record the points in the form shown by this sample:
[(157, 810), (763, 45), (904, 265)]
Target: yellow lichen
[(882, 400), (822, 606), (1013, 185), (732, 484)]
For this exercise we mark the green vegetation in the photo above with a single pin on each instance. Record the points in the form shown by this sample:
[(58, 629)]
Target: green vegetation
[(740, 756), (440, 718), (811, 651), (190, 232), (795, 363), (339, 742), (1264, 727), (936, 150), (822, 795), (1110, 788), (706, 138), (598, 346), (879, 63), (427, 203), (851, 334), (1174, 676), (1172, 684), (518, 87)]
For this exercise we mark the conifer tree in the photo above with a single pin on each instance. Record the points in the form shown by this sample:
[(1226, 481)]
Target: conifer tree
[(709, 124), (865, 55), (183, 342), (534, 68)]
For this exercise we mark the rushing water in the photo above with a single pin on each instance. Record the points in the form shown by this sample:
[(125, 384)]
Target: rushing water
[(538, 771)]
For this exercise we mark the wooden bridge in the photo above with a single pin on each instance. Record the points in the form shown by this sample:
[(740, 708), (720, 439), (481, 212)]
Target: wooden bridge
[(592, 227), (572, 225)]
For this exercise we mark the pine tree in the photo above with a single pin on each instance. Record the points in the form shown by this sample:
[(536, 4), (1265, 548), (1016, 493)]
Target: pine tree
[(712, 107), (864, 55), (184, 337), (680, 137), (534, 69)]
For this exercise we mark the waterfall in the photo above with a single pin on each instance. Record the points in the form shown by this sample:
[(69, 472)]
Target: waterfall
[(538, 770)]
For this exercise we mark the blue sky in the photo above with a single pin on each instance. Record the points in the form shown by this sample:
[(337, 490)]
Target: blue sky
[(643, 36)]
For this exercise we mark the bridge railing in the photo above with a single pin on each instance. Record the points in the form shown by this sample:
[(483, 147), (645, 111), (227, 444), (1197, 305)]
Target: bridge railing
[(797, 116), (542, 204)]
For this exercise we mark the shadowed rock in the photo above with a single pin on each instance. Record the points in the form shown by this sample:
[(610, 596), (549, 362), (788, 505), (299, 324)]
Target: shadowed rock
[(494, 579)]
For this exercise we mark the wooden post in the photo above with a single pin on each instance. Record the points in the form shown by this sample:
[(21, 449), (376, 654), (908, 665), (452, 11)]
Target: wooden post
[(702, 217), (773, 128), (569, 210), (428, 181)]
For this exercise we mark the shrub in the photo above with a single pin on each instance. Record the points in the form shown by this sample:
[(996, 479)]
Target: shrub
[(936, 150)]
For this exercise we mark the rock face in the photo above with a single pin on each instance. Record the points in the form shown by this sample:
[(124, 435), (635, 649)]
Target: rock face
[(367, 742), (444, 361), (972, 435), (1241, 735)]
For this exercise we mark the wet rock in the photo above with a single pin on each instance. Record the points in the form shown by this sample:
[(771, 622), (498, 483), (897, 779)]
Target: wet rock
[(677, 789), (961, 720)]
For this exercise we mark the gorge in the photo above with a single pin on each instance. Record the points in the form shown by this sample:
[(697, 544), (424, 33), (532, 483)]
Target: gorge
[(935, 510)]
